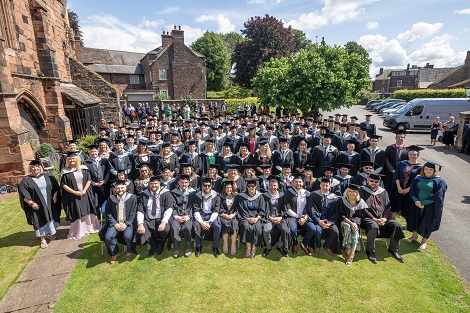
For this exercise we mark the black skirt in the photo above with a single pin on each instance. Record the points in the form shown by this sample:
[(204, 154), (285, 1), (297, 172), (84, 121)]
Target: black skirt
[(448, 138)]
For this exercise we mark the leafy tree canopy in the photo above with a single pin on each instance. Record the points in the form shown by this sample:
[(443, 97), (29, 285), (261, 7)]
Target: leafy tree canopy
[(231, 40), (322, 77), (265, 38), (300, 39), (217, 59)]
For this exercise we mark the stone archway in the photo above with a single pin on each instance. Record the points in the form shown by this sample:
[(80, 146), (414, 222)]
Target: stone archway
[(32, 117)]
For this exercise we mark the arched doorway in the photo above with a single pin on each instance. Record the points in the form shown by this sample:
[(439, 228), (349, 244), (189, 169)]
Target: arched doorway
[(32, 117)]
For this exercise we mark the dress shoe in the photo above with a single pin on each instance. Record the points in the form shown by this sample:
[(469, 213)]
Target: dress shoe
[(160, 248), (113, 259), (134, 248), (188, 252), (266, 252), (215, 252), (129, 256), (198, 251), (316, 250), (306, 250), (329, 251), (371, 257), (396, 256), (153, 249), (294, 249), (283, 251), (176, 254)]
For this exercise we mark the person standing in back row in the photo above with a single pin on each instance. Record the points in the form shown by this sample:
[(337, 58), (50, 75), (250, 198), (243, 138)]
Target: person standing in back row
[(449, 132), (435, 127)]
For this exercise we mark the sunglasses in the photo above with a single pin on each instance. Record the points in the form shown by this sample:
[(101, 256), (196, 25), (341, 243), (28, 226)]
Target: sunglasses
[(206, 186)]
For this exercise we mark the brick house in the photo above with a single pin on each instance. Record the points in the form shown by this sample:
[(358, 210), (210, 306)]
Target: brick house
[(41, 83), (120, 68), (175, 69), (414, 77), (459, 77)]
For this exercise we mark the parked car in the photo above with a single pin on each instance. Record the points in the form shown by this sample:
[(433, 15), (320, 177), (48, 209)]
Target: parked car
[(385, 105), (391, 106), (389, 111), (369, 103), (384, 102)]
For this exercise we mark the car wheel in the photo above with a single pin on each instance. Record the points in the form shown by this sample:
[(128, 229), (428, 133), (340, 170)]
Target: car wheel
[(401, 127)]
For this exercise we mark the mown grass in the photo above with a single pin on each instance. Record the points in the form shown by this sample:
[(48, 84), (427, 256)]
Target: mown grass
[(18, 245), (426, 282)]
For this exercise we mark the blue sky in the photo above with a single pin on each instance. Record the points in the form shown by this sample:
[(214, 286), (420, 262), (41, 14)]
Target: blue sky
[(394, 33)]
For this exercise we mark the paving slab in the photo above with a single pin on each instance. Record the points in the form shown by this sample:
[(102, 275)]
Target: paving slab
[(67, 263), (45, 290), (40, 267), (14, 297)]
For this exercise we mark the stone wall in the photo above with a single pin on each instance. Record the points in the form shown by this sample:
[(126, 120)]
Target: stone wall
[(122, 82), (93, 83)]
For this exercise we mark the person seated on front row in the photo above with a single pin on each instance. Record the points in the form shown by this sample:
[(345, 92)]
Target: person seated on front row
[(275, 212), (206, 207), (324, 215), (182, 224), (296, 202), (120, 214), (155, 209), (377, 221)]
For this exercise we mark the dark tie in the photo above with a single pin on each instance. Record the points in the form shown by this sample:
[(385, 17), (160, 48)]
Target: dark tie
[(154, 204), (372, 156), (325, 154), (283, 156), (287, 182)]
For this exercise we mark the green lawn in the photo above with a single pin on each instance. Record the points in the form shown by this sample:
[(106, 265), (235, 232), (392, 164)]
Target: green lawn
[(426, 282), (18, 245)]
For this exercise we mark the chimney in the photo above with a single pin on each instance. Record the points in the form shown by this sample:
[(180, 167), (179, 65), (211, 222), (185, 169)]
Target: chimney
[(178, 35), (427, 65), (408, 67), (77, 47), (467, 59), (167, 39), (381, 71)]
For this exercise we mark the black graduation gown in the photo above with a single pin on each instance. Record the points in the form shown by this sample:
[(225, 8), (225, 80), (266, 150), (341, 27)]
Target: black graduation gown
[(354, 160), (116, 163), (97, 175), (379, 159), (166, 205), (341, 145), (198, 207), (237, 159), (228, 226), (250, 207), (129, 184), (319, 159), (301, 162), (77, 207), (173, 163), (290, 203), (137, 160), (203, 163), (391, 163), (371, 130), (63, 158), (425, 221), (277, 160), (51, 212)]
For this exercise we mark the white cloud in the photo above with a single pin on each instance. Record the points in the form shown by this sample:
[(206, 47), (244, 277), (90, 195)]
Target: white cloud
[(223, 23), (264, 2), (169, 10), (333, 11), (372, 25), (462, 11), (108, 32), (418, 31), (397, 52), (150, 24)]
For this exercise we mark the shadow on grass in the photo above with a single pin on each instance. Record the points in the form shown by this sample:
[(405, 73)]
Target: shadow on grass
[(20, 239)]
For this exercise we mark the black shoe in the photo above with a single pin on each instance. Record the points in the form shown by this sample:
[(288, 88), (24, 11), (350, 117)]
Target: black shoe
[(284, 252), (198, 251), (215, 252), (396, 256), (176, 253), (160, 248), (371, 257), (134, 248), (266, 252), (153, 249)]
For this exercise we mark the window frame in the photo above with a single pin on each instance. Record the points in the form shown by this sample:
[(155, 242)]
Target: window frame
[(160, 76)]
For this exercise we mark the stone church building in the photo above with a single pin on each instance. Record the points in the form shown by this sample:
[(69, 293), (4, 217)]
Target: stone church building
[(48, 95)]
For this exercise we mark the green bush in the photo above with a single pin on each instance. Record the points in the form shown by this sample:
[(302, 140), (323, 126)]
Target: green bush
[(45, 150), (408, 95), (85, 142), (232, 103), (215, 95), (236, 92)]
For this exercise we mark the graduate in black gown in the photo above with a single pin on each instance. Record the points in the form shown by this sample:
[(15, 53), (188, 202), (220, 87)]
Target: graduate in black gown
[(394, 154), (153, 216), (374, 154), (427, 192), (40, 200), (377, 220), (251, 209)]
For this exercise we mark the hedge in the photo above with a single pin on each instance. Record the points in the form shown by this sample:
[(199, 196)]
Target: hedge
[(232, 103), (408, 95)]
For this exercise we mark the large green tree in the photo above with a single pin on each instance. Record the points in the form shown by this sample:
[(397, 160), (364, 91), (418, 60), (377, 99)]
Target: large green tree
[(265, 38), (321, 77), (217, 59), (300, 39), (231, 40)]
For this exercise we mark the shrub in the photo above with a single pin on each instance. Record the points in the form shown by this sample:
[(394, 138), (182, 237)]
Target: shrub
[(85, 142), (408, 95), (45, 150), (215, 95), (236, 92), (232, 103)]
